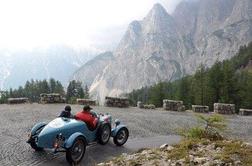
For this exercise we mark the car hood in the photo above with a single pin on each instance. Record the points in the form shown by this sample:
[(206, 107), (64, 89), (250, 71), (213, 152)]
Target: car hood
[(65, 126)]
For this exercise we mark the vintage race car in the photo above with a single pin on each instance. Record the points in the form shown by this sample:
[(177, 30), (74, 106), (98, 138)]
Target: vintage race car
[(72, 136)]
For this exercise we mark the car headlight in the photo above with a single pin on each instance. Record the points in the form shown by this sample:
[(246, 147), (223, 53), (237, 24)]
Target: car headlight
[(59, 140)]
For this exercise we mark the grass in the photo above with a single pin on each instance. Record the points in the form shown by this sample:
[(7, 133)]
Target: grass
[(235, 149), (231, 152), (181, 150), (209, 127)]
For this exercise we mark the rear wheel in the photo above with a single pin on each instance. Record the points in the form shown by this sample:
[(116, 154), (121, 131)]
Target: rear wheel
[(75, 154), (121, 136), (104, 133)]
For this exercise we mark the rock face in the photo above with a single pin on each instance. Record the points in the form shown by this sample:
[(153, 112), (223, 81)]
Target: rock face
[(165, 47), (88, 73)]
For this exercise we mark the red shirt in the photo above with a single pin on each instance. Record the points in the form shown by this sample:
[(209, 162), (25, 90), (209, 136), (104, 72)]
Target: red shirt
[(87, 118)]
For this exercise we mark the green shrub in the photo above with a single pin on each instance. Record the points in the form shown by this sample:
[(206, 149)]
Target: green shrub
[(194, 132), (209, 127)]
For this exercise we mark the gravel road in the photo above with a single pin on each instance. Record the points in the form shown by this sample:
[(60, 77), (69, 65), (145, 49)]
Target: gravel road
[(17, 120)]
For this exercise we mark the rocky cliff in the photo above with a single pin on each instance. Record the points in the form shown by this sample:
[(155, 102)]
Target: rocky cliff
[(88, 73), (164, 47)]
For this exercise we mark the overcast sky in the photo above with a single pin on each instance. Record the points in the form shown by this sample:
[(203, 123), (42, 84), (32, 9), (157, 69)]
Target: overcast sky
[(28, 24)]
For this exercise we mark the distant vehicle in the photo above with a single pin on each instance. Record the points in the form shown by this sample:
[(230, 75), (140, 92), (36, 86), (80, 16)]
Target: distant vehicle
[(51, 98), (72, 136)]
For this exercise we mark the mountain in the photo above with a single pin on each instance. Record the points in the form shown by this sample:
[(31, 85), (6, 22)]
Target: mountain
[(88, 72), (164, 47), (58, 62)]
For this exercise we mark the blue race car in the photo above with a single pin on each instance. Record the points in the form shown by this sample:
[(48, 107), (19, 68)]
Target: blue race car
[(72, 136)]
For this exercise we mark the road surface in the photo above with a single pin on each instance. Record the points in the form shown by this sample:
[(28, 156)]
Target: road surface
[(147, 128)]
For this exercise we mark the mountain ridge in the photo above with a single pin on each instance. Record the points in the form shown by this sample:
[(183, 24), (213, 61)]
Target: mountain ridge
[(57, 62), (164, 47)]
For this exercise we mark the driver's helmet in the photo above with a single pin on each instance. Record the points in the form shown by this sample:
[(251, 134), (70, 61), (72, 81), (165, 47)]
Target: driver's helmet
[(68, 108)]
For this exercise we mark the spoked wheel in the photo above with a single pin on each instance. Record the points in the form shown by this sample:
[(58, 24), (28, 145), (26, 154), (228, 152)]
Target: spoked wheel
[(104, 134), (75, 154), (121, 136)]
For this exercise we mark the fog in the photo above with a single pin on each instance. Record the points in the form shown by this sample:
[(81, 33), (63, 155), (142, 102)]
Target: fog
[(95, 24)]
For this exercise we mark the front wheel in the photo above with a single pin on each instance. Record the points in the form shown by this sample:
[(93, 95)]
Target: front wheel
[(34, 145), (121, 136), (75, 154), (104, 133)]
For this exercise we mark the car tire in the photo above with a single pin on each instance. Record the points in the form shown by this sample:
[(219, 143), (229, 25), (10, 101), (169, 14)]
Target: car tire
[(76, 152), (33, 142), (121, 136), (104, 133), (34, 145)]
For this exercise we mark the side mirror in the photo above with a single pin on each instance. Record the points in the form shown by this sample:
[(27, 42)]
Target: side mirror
[(117, 122)]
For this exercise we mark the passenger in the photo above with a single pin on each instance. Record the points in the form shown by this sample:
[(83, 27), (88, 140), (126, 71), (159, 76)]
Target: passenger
[(88, 117), (66, 113)]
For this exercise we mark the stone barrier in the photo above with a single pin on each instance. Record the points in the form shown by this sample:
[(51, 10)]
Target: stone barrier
[(140, 104), (172, 105), (51, 98), (116, 102), (86, 102), (221, 108), (149, 106), (245, 112), (20, 100), (200, 108)]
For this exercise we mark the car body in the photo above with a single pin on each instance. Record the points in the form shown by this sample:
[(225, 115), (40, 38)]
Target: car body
[(72, 136)]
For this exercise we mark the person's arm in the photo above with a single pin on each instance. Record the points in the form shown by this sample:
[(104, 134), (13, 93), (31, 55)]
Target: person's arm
[(92, 120), (72, 116), (93, 114), (76, 116), (61, 114)]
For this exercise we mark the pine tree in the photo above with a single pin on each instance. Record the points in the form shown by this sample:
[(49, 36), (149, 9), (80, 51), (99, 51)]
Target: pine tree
[(228, 90), (74, 91), (11, 93), (215, 82), (59, 88), (157, 95), (200, 89), (52, 85), (86, 92), (184, 91), (248, 94)]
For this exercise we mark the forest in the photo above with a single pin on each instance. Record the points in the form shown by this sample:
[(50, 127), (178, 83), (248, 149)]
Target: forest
[(229, 81), (33, 88)]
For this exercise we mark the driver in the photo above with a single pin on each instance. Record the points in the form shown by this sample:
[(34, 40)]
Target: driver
[(88, 117), (66, 113)]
